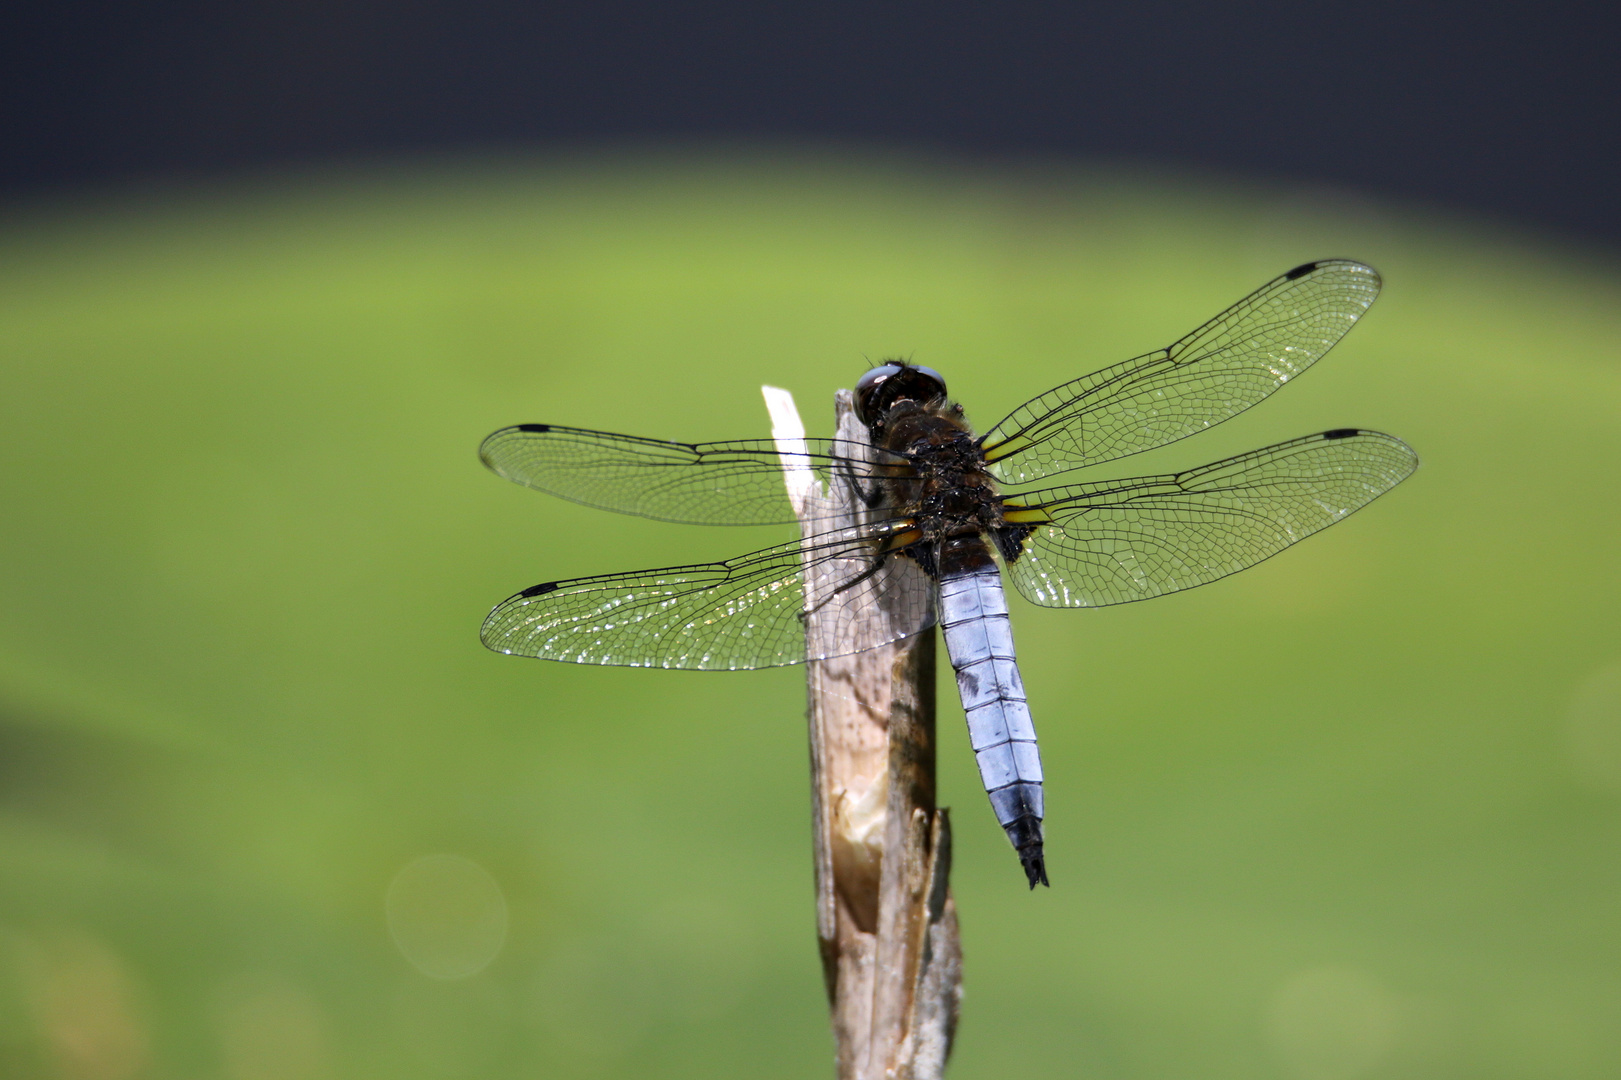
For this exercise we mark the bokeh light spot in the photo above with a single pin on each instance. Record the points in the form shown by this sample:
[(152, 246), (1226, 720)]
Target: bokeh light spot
[(1330, 1023), (82, 1000), (447, 915), (272, 1030)]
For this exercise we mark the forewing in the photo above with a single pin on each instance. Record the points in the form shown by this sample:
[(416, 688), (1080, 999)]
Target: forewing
[(1216, 372), (1114, 542), (719, 483), (743, 613)]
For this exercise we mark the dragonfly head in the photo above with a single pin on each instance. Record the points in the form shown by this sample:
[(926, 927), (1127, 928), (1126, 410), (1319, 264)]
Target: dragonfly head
[(881, 388)]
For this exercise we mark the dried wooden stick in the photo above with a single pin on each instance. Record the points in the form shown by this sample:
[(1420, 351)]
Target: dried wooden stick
[(885, 917)]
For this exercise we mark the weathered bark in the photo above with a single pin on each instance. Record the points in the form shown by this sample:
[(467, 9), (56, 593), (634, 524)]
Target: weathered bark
[(885, 918)]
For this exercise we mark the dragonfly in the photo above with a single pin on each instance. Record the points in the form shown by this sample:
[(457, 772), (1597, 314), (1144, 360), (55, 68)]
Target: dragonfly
[(948, 514)]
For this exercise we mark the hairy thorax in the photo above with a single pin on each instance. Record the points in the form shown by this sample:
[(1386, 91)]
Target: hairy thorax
[(945, 486)]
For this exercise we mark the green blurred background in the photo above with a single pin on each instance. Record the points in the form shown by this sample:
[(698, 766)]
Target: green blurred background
[(269, 812)]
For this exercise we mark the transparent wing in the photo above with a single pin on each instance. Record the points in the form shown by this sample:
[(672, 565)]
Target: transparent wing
[(1113, 542), (718, 483), (1216, 372), (743, 613)]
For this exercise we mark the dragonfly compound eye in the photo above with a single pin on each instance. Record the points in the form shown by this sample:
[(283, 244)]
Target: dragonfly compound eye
[(883, 386)]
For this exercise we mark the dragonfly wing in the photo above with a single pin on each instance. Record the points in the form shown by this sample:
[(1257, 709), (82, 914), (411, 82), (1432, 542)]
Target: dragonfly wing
[(719, 483), (1118, 541), (1216, 372), (743, 613)]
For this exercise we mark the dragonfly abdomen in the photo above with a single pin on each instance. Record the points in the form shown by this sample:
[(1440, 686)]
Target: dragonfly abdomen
[(979, 640)]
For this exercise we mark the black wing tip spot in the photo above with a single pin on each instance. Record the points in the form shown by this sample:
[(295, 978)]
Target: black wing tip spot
[(539, 429), (1342, 433), (1302, 270), (541, 589)]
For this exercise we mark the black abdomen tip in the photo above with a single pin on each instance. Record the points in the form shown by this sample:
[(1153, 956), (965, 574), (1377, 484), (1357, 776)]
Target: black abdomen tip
[(1025, 833)]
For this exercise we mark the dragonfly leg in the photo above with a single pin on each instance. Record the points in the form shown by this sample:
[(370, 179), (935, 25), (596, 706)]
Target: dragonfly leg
[(877, 565)]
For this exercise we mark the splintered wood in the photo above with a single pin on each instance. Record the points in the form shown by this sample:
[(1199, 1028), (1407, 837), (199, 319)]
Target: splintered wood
[(885, 918)]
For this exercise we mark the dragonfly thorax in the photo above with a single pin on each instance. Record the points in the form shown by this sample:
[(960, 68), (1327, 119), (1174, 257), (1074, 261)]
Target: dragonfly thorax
[(944, 487), (933, 435)]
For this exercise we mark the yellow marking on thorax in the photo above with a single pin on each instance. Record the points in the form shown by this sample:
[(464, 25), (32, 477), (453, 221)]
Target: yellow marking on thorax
[(896, 541), (1025, 515), (997, 451)]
